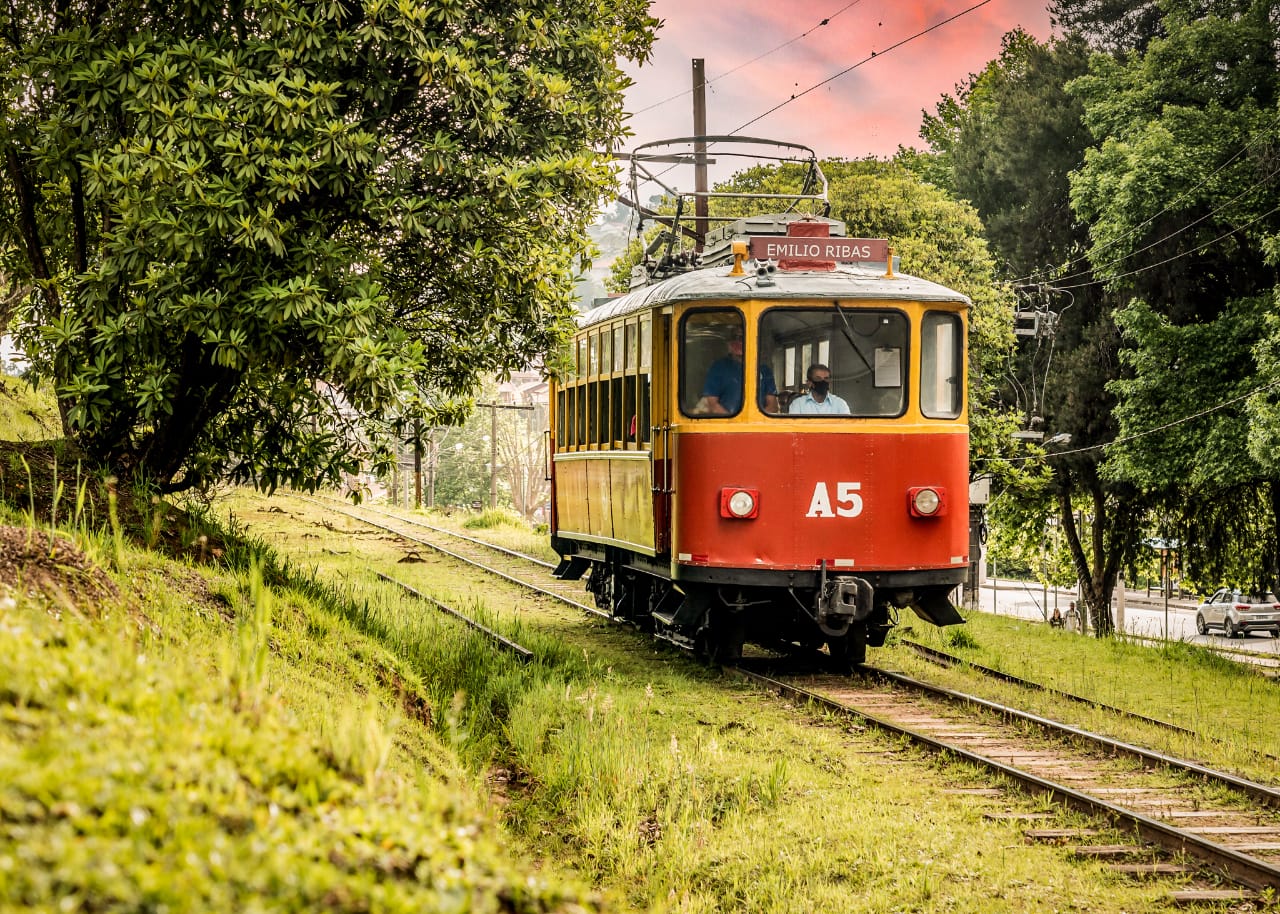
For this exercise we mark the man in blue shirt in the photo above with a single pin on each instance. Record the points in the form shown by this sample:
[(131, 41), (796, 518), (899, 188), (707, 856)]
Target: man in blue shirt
[(819, 401), (722, 389)]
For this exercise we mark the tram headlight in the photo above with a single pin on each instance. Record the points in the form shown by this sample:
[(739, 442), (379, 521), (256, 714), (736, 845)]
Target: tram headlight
[(927, 501), (739, 504)]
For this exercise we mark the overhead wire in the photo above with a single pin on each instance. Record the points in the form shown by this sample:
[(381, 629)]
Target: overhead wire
[(1142, 434), (1167, 260), (1032, 277), (748, 63), (872, 56), (1159, 241)]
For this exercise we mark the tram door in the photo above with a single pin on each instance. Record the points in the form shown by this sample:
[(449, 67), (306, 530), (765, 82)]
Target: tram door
[(661, 440)]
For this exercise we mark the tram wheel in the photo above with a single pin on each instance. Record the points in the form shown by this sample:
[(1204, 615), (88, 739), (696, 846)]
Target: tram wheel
[(720, 641), (850, 649)]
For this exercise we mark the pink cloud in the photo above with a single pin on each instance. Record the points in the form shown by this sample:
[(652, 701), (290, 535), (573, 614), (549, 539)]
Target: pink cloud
[(868, 111)]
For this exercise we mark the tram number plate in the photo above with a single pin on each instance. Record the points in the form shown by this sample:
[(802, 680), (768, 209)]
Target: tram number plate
[(847, 502)]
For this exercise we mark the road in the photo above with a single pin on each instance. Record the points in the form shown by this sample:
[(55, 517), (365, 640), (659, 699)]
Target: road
[(1144, 616)]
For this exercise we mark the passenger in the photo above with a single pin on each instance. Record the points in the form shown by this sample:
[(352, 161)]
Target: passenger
[(819, 400), (722, 389)]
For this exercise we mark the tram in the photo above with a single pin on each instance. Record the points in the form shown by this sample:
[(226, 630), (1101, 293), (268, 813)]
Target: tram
[(767, 441)]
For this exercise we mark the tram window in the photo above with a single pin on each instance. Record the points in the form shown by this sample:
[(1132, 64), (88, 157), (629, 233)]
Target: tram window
[(642, 410), (631, 347), (606, 351), (646, 343), (571, 417), (599, 412), (617, 432), (593, 353), (711, 353), (561, 400), (941, 365), (629, 420), (580, 410), (619, 351), (582, 357), (863, 349)]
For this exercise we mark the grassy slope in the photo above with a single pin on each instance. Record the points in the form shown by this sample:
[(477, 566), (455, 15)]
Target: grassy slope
[(203, 742)]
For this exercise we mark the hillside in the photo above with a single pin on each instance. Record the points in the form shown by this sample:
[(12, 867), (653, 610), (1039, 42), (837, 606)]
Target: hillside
[(200, 732)]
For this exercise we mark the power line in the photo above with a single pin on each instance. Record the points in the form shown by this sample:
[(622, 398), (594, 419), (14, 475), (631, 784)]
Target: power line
[(1261, 135), (740, 66), (1142, 434), (873, 56), (1179, 256)]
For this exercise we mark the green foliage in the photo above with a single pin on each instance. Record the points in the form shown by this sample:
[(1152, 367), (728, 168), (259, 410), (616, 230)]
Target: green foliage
[(27, 413), (248, 222), (1182, 209), (490, 518)]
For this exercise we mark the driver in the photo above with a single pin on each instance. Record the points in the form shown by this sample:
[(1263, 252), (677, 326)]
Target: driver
[(819, 401)]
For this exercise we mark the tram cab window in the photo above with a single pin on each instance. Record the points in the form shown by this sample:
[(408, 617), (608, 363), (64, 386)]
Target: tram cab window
[(712, 380), (863, 351), (941, 365)]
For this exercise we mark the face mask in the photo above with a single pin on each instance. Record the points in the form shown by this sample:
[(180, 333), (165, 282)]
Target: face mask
[(820, 387)]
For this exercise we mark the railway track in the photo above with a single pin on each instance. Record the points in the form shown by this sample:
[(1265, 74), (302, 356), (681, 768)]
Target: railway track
[(942, 658), (1185, 822)]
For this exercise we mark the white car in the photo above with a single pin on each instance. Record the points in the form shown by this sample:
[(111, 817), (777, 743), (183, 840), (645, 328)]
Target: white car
[(1237, 613)]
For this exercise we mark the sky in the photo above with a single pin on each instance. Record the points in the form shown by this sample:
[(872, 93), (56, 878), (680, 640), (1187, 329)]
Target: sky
[(869, 111)]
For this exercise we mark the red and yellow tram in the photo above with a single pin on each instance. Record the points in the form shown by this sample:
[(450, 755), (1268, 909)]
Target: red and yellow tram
[(767, 507)]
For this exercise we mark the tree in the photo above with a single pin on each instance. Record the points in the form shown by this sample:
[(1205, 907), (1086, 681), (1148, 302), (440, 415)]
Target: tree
[(252, 224), (522, 457), (1181, 198), (1113, 26), (1008, 141)]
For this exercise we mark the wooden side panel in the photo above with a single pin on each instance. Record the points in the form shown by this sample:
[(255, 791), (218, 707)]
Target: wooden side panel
[(571, 502), (598, 499), (606, 498), (632, 504)]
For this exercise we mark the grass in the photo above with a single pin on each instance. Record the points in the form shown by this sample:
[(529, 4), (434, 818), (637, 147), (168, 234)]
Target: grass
[(215, 742), (672, 788)]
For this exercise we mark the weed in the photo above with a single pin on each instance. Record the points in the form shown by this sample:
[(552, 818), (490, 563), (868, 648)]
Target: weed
[(960, 638)]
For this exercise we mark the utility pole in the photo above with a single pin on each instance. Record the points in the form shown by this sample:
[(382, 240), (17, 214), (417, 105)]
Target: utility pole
[(493, 445), (493, 456), (700, 151), (417, 463)]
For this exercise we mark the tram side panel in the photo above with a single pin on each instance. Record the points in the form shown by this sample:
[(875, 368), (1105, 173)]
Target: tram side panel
[(605, 497)]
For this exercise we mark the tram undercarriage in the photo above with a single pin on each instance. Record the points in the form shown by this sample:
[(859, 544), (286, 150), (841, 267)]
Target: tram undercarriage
[(715, 617)]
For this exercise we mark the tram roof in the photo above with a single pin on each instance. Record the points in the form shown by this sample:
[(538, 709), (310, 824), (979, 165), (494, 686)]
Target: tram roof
[(714, 284)]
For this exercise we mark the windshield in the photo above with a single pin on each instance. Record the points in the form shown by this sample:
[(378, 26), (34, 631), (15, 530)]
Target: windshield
[(836, 361)]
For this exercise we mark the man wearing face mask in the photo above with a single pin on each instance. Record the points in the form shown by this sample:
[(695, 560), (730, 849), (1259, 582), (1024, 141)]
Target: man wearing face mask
[(819, 401)]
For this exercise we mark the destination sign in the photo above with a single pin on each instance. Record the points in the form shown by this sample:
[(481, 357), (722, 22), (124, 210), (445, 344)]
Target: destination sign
[(841, 250)]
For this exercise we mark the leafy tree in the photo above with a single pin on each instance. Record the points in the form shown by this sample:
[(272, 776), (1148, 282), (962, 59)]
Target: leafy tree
[(1181, 198), (1113, 26), (251, 224), (1007, 142)]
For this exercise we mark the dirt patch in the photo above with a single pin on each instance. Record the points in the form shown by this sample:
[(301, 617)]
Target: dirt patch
[(38, 563)]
